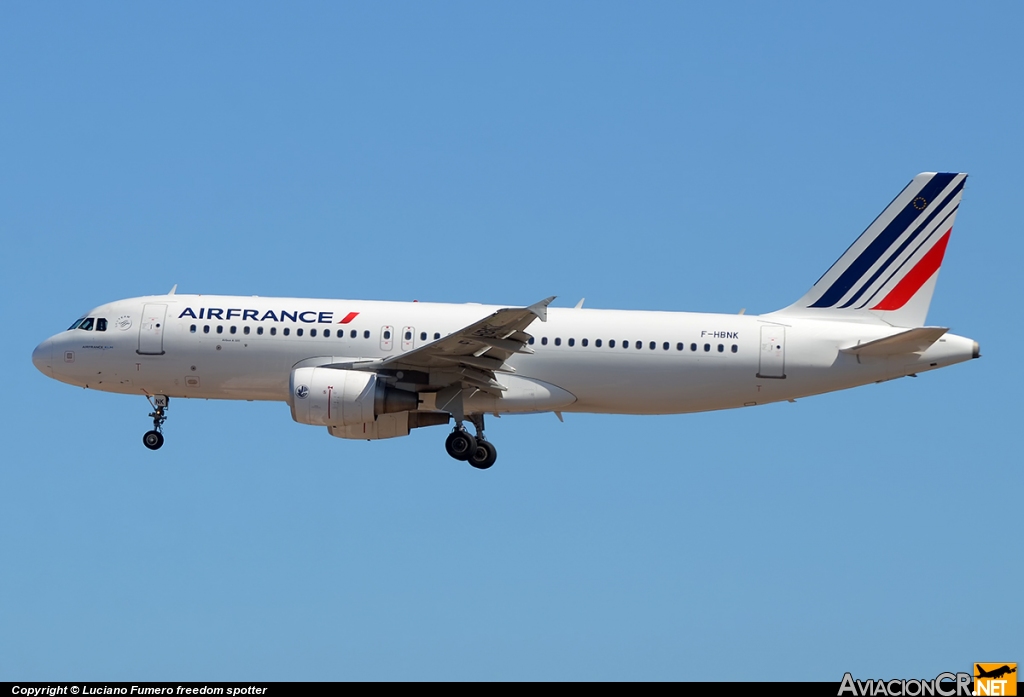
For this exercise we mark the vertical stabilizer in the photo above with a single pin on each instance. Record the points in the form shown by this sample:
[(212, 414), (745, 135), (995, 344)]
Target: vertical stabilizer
[(888, 274)]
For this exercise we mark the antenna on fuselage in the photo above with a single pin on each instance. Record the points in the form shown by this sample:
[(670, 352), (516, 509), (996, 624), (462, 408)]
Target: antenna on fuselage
[(173, 288)]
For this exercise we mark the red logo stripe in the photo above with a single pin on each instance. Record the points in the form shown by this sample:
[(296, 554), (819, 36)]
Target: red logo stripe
[(348, 318), (918, 276)]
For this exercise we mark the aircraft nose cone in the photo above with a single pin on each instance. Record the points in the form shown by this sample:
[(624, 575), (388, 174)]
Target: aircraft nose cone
[(42, 357)]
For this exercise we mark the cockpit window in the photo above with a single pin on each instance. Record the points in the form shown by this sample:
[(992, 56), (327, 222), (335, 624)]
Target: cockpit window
[(101, 324), (86, 324), (77, 322)]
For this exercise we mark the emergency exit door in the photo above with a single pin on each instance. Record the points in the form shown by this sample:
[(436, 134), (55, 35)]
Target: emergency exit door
[(408, 338)]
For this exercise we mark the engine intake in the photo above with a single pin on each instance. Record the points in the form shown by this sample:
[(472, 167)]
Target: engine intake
[(329, 397)]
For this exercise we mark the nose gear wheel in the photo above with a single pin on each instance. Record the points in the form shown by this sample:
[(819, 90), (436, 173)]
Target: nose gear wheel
[(153, 440)]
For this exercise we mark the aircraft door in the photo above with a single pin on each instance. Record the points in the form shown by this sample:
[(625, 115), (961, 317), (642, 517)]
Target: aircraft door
[(408, 338), (773, 352), (151, 329), (387, 337)]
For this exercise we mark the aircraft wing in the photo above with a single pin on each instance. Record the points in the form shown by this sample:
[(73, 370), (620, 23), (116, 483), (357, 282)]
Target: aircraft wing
[(473, 354)]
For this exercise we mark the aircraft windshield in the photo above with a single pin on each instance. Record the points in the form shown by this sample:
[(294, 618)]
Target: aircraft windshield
[(90, 323)]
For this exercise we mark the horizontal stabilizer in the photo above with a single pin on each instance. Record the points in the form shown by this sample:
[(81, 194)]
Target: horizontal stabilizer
[(910, 341)]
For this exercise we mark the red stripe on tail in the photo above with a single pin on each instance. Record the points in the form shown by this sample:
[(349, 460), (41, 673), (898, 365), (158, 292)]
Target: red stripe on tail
[(918, 276)]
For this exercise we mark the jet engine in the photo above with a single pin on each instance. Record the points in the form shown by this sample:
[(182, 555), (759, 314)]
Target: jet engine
[(329, 397)]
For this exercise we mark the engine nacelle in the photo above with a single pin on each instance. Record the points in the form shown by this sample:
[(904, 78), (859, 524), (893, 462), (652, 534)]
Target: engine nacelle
[(329, 397)]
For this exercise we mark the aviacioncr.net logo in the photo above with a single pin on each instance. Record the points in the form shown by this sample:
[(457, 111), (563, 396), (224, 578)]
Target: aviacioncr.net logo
[(943, 685)]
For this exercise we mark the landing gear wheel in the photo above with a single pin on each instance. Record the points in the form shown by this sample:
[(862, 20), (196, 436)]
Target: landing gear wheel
[(153, 440), (484, 455), (460, 445)]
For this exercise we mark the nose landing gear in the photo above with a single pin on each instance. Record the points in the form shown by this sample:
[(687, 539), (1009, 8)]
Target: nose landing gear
[(155, 438)]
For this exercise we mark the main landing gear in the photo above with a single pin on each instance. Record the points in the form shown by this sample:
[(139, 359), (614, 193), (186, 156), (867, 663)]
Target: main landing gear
[(155, 438), (477, 451)]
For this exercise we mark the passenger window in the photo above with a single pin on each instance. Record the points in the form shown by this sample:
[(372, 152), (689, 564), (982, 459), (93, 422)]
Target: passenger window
[(206, 329), (437, 335), (654, 346), (721, 348), (286, 331), (327, 333), (640, 345), (387, 335), (233, 329), (312, 332), (86, 324), (366, 334), (353, 334), (572, 342), (532, 340), (259, 330), (558, 341), (192, 329), (597, 343), (544, 341), (665, 346), (273, 331), (584, 342), (408, 336), (611, 343), (246, 330), (101, 324), (423, 336), (707, 347), (693, 347), (680, 346), (735, 348), (220, 329), (298, 332), (625, 344)]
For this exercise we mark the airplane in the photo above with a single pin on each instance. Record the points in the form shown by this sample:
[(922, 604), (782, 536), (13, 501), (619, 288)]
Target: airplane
[(373, 370), (995, 673)]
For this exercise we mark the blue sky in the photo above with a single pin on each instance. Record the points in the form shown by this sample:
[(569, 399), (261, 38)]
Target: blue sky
[(649, 156)]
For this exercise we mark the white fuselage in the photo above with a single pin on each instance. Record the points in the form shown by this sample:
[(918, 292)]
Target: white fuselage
[(611, 361)]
